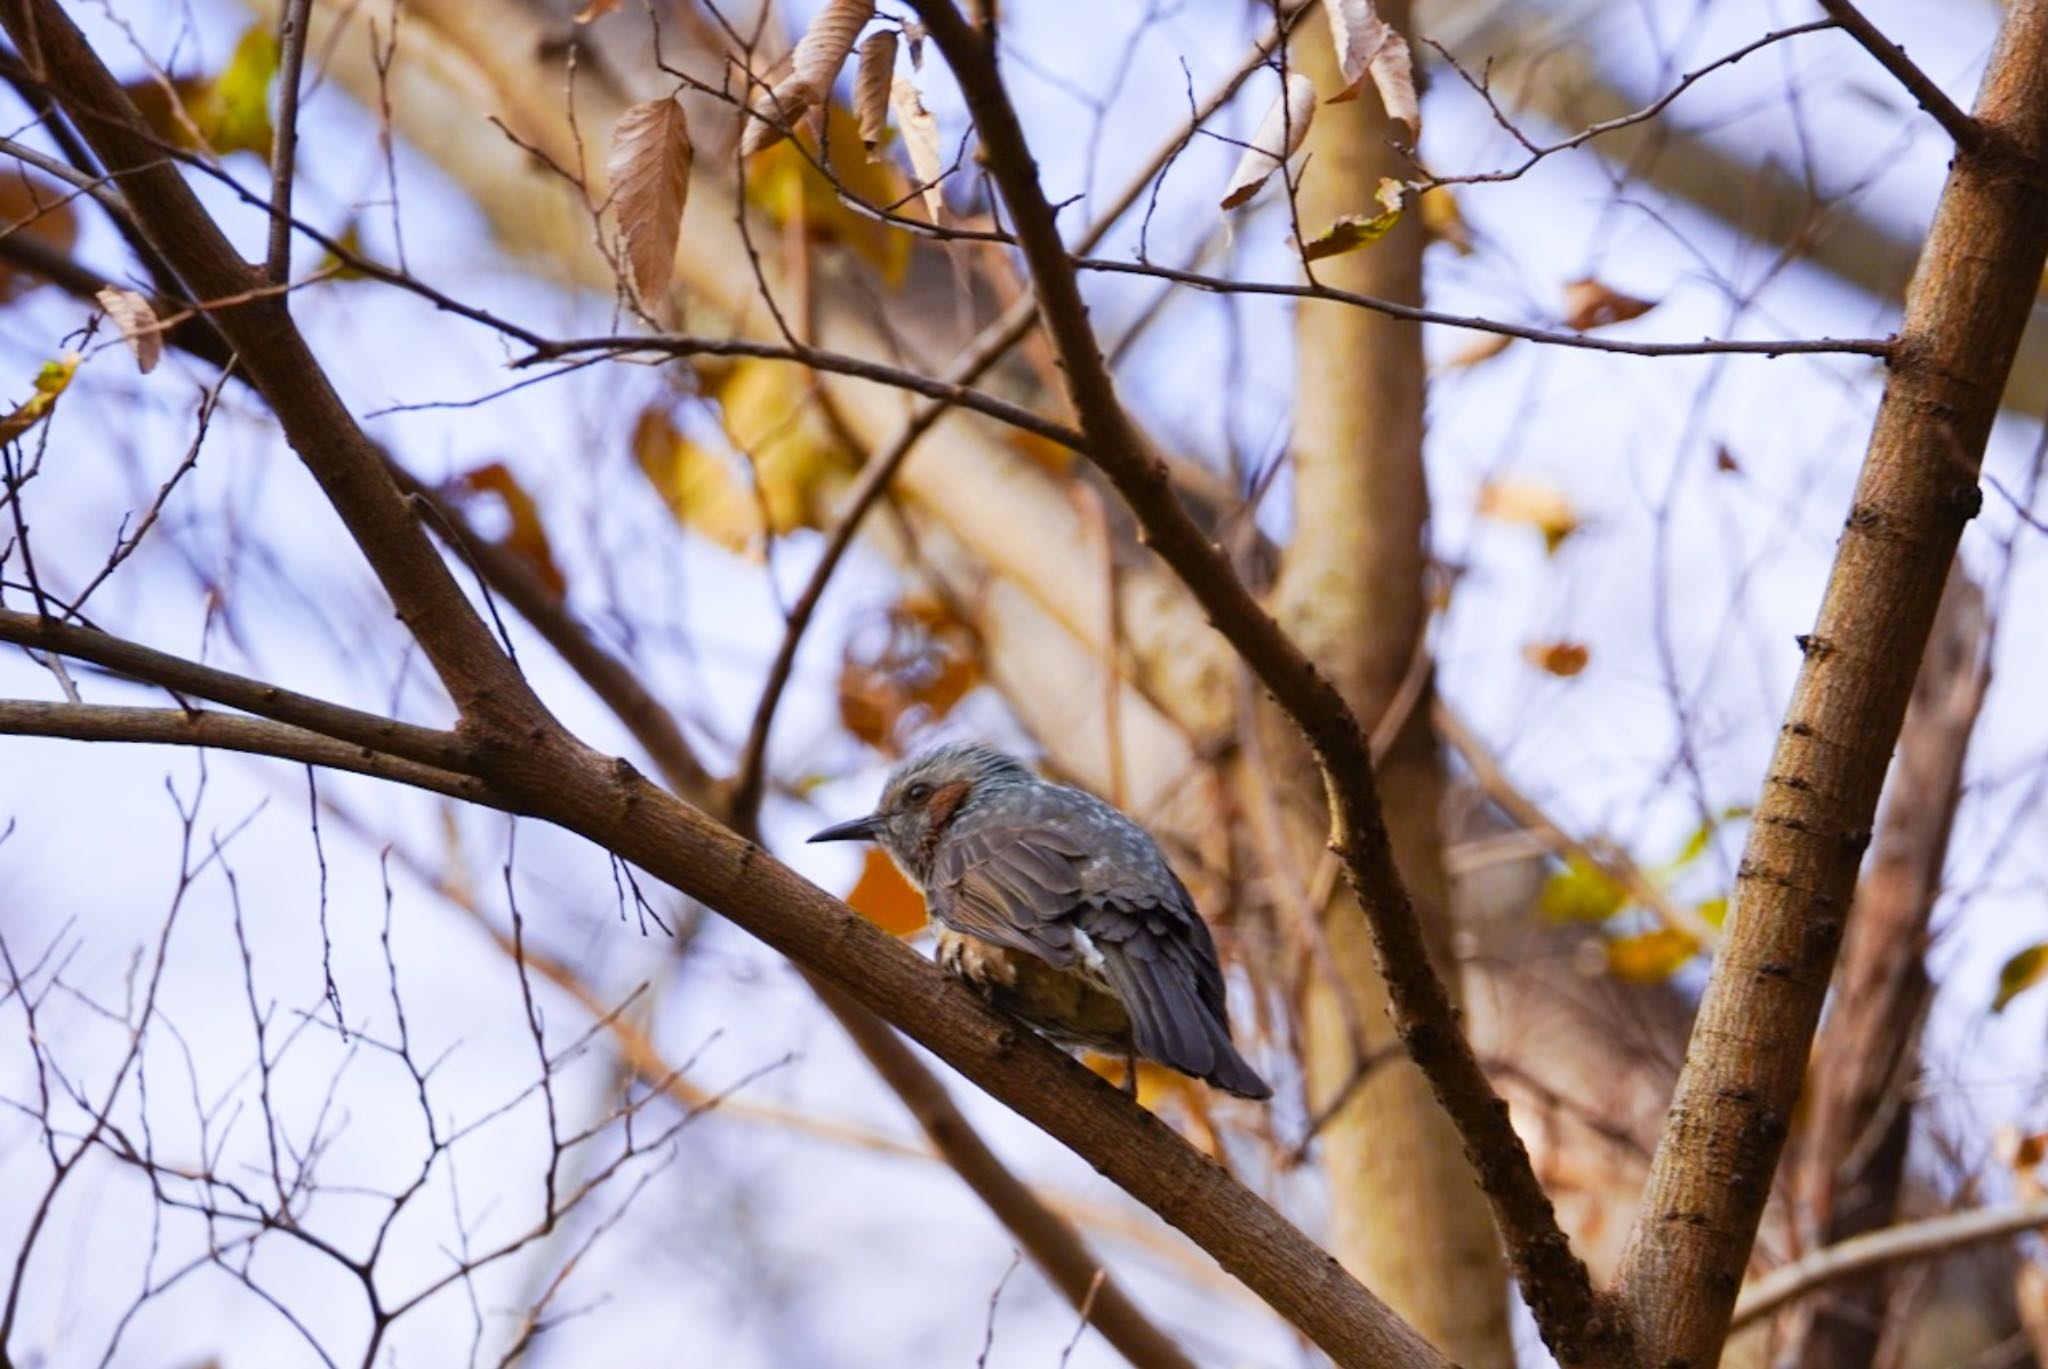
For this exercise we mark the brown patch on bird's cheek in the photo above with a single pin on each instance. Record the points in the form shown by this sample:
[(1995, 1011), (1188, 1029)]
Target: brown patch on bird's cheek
[(945, 802)]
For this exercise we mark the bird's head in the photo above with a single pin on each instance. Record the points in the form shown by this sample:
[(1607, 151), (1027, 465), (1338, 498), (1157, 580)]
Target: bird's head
[(923, 797)]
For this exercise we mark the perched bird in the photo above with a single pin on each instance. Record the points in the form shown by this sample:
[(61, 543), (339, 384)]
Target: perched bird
[(1059, 909)]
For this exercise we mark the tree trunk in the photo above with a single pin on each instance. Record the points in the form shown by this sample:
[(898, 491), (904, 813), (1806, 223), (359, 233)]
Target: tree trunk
[(1734, 1101), (1407, 1217), (1853, 1157)]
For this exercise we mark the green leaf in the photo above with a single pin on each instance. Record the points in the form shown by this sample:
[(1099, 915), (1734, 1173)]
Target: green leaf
[(1581, 892), (2026, 969)]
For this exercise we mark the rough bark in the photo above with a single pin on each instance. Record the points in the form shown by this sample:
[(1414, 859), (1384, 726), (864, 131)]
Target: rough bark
[(1406, 1215), (1728, 1120), (1853, 1155)]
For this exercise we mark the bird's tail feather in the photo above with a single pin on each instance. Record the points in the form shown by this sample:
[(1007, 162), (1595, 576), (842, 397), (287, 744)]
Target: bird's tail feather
[(1171, 1024)]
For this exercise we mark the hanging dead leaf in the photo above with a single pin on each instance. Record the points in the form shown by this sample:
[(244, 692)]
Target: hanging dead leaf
[(36, 209), (813, 68), (1354, 231), (871, 85), (1482, 347), (1444, 221), (785, 183), (1543, 507), (907, 669), (525, 534), (649, 168), (593, 10), (884, 897), (1562, 659), (1651, 957), (914, 33), (50, 382), (921, 141), (1368, 48), (1589, 304), (130, 312), (1725, 462), (1279, 137)]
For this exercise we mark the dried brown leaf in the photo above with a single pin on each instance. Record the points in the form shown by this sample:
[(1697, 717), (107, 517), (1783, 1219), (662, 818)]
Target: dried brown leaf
[(914, 34), (827, 43), (871, 84), (1279, 137), (1368, 48), (650, 174), (1590, 304), (131, 313), (921, 141)]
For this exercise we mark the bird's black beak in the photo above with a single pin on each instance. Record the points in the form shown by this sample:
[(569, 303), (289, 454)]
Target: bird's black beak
[(860, 829)]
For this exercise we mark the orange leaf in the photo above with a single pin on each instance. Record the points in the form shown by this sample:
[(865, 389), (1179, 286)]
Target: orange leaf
[(37, 209), (884, 897), (1562, 659), (910, 669), (525, 534), (1590, 304)]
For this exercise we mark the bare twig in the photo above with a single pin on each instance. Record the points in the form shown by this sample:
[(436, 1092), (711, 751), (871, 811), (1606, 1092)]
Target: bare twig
[(1966, 131), (292, 27)]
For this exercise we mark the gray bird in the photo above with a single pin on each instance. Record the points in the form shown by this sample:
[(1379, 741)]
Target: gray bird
[(1059, 909)]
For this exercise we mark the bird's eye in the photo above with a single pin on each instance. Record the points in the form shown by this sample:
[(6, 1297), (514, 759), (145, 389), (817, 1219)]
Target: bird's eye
[(918, 793)]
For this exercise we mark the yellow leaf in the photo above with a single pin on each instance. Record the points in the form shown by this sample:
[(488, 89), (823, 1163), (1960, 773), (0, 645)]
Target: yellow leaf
[(885, 898), (798, 460), (1444, 221), (233, 110), (701, 489), (1354, 231), (1562, 659), (1652, 957), (1543, 507), (1581, 892), (2022, 972), (784, 184), (50, 382), (1590, 304)]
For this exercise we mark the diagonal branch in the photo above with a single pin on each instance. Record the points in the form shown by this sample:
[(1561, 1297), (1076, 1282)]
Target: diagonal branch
[(1553, 1278), (1967, 132)]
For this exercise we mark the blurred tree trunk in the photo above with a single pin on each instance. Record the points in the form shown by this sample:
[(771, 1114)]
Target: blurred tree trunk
[(1409, 1219), (1853, 1157)]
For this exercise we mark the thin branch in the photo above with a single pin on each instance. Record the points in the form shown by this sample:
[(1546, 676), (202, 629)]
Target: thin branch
[(1893, 1245), (292, 33), (1553, 1279), (232, 732), (370, 731), (1223, 285), (1967, 132)]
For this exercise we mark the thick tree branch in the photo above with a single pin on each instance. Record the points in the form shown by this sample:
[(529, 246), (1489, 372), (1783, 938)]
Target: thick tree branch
[(1966, 131), (1728, 1120), (1552, 1277), (231, 732), (1893, 1245)]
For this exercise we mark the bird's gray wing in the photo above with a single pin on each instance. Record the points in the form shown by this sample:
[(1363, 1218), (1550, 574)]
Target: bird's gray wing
[(1017, 885)]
